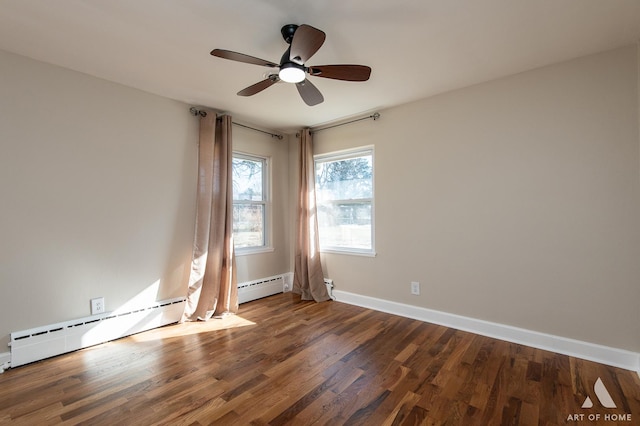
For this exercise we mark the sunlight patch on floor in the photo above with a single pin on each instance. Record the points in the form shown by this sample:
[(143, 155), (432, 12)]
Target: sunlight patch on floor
[(197, 327)]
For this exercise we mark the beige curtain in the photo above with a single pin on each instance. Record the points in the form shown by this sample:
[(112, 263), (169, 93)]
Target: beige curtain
[(213, 288), (308, 279)]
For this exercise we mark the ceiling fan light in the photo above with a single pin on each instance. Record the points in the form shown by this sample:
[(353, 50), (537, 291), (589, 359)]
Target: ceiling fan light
[(291, 73)]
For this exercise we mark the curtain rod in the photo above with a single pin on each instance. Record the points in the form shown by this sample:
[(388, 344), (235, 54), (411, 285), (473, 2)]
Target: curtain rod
[(273, 135), (196, 112), (375, 116)]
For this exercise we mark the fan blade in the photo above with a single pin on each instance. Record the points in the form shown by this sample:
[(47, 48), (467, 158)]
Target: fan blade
[(258, 87), (241, 57), (309, 93), (306, 41), (341, 72)]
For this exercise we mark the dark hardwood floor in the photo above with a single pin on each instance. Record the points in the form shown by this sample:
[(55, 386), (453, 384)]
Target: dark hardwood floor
[(283, 361)]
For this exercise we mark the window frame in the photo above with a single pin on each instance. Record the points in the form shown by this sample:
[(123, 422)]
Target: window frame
[(265, 202), (346, 154)]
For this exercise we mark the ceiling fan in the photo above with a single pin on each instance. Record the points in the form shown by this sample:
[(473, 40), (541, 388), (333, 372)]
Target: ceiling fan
[(304, 41)]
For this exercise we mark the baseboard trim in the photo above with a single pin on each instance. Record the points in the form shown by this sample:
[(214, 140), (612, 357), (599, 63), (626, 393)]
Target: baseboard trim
[(590, 351)]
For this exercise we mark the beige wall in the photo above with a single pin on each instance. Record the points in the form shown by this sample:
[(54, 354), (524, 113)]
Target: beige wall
[(515, 201), (261, 265), (97, 189)]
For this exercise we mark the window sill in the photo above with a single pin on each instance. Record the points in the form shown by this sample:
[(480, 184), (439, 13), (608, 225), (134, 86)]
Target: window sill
[(349, 252), (256, 250)]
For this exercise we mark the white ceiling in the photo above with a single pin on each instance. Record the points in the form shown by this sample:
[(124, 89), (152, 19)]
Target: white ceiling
[(416, 48)]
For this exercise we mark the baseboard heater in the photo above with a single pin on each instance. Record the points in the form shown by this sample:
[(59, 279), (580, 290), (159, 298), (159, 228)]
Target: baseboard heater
[(257, 289), (43, 342)]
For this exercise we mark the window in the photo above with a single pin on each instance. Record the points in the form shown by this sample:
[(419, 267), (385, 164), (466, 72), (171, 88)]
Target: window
[(344, 193), (250, 207)]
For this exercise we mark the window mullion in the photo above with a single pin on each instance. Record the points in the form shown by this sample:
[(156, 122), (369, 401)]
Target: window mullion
[(348, 201)]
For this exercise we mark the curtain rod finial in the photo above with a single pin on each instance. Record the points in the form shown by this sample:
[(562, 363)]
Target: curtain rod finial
[(195, 112)]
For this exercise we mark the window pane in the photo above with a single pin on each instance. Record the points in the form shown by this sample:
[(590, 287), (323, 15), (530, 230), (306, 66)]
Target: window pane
[(345, 225), (248, 225), (247, 179), (344, 195), (346, 179)]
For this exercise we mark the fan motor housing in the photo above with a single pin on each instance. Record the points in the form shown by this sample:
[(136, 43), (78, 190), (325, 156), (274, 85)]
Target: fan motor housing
[(288, 31)]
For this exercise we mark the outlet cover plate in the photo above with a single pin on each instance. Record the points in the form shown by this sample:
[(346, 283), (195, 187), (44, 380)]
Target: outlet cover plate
[(415, 288), (97, 305)]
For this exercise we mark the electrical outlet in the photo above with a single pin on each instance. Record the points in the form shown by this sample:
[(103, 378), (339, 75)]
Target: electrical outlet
[(415, 288), (97, 305)]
